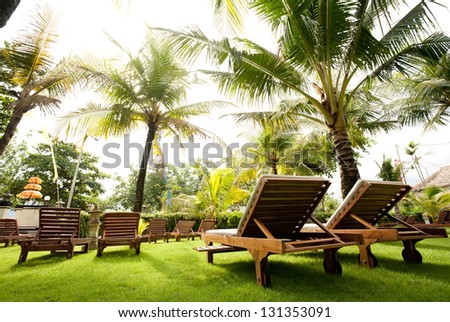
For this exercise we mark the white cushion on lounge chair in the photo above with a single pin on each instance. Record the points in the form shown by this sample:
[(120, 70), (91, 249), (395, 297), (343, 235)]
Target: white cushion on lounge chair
[(222, 232)]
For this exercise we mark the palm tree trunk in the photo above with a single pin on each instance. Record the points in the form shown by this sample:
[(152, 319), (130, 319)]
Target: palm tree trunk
[(11, 129), (274, 168), (348, 169), (140, 184)]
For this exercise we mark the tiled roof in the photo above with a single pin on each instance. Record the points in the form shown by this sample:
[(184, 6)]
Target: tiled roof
[(440, 178)]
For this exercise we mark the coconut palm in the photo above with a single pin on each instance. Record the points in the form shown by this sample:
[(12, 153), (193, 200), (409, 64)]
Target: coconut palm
[(388, 171), (270, 148), (219, 192), (148, 89), (329, 52), (29, 72)]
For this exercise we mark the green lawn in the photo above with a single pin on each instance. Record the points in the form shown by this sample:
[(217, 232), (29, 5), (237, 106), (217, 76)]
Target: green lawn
[(173, 272)]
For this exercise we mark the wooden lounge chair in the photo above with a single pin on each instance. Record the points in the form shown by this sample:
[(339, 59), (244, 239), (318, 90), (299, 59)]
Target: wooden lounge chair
[(271, 224), (156, 230), (119, 229), (183, 228), (9, 232), (443, 220), (365, 205), (205, 225), (59, 230)]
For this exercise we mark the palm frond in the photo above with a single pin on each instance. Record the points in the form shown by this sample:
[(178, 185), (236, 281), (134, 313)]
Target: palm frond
[(98, 120), (33, 46), (196, 109), (230, 14), (45, 103)]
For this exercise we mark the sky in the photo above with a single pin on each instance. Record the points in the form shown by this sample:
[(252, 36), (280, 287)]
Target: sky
[(82, 27)]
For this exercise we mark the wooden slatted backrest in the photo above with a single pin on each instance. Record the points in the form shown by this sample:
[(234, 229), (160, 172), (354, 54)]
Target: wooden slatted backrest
[(58, 223), (443, 217), (282, 204), (157, 226), (184, 226), (8, 227), (206, 224), (368, 200), (120, 224)]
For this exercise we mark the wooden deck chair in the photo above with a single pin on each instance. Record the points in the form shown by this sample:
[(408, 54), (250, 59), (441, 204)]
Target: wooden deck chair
[(182, 229), (365, 205), (59, 230), (205, 225), (156, 230), (443, 220), (120, 229), (271, 224), (443, 217), (9, 232)]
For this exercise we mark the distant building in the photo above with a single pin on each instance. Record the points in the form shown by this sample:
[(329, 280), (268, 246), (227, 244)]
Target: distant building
[(440, 178)]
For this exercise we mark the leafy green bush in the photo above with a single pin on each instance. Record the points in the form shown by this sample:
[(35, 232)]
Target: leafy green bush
[(229, 219), (84, 224)]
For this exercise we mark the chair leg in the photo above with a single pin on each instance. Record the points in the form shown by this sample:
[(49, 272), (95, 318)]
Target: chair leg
[(100, 249), (23, 256), (261, 267), (331, 263), (70, 252), (210, 257), (138, 248), (366, 257)]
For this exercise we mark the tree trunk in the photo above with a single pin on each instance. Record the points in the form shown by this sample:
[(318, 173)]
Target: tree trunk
[(274, 168), (11, 129), (140, 184), (348, 169)]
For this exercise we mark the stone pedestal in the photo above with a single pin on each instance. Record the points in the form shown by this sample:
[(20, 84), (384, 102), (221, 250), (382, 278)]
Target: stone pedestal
[(27, 217), (94, 224)]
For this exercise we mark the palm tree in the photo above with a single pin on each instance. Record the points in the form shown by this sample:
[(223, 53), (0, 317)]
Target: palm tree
[(389, 172), (281, 149), (425, 97), (150, 90), (270, 149), (29, 72), (219, 191), (329, 52)]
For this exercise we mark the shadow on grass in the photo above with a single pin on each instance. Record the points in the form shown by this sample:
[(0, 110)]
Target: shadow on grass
[(111, 255), (306, 271), (431, 271), (48, 259)]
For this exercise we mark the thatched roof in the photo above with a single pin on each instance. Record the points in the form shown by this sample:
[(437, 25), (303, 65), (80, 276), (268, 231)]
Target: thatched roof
[(7, 8), (440, 178)]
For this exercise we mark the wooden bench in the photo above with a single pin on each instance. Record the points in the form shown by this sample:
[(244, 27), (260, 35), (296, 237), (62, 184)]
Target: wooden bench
[(59, 230), (9, 232)]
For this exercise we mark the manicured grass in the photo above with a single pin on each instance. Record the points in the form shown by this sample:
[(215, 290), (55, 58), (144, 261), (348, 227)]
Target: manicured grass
[(173, 272)]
